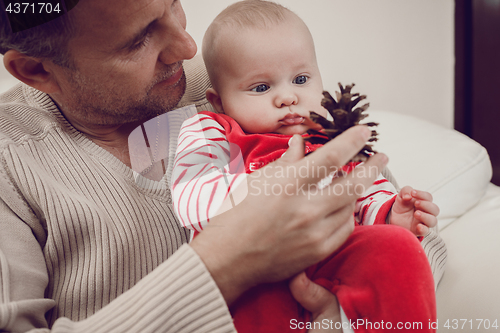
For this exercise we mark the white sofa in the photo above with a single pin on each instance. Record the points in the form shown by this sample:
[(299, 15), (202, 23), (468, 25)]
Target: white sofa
[(457, 171)]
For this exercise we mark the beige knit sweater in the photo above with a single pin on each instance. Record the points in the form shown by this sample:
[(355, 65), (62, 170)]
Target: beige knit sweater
[(85, 243)]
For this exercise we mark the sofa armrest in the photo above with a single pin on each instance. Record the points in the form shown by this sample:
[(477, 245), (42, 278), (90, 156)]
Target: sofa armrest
[(455, 169)]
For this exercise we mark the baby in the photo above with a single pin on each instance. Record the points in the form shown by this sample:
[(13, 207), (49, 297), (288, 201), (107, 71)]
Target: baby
[(265, 79)]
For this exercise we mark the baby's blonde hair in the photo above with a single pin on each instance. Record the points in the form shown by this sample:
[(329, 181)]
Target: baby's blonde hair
[(258, 14)]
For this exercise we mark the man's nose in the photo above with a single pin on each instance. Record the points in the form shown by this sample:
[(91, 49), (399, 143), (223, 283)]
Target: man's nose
[(179, 45)]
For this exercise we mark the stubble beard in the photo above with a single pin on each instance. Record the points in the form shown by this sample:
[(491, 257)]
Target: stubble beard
[(97, 105)]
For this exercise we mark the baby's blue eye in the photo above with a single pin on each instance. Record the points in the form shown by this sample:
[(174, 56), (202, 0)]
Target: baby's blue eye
[(301, 79), (261, 88)]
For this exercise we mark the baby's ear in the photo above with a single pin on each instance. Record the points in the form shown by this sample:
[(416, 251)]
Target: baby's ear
[(214, 99)]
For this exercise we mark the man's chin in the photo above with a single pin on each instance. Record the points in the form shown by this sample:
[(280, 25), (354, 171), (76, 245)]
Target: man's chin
[(168, 96), (160, 99), (93, 107)]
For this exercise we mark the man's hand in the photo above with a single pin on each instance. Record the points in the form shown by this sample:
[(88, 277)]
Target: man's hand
[(286, 223), (320, 302), (414, 210)]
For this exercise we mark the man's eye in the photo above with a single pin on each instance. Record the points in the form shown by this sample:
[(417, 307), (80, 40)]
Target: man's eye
[(301, 79), (140, 45), (261, 88)]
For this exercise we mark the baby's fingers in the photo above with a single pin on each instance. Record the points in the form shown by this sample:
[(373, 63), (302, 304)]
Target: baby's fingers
[(422, 195), (425, 218), (406, 193), (421, 230), (427, 206)]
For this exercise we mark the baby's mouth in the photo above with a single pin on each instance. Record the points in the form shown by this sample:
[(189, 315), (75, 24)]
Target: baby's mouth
[(292, 119)]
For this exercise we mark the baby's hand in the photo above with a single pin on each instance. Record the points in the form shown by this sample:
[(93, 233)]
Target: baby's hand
[(414, 210)]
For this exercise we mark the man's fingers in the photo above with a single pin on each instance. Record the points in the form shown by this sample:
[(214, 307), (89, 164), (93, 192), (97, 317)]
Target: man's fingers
[(334, 154), (311, 124), (347, 189), (341, 232), (295, 149), (312, 296), (320, 302)]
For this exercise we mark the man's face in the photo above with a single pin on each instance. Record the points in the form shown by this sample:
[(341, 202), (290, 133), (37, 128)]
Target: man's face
[(128, 56)]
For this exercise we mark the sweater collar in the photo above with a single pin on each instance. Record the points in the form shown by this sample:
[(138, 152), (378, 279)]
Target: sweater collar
[(44, 101)]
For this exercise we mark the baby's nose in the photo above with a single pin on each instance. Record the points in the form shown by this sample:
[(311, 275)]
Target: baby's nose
[(286, 99)]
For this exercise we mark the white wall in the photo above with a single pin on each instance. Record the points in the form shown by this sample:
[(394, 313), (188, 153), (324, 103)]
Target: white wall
[(398, 52), (6, 80)]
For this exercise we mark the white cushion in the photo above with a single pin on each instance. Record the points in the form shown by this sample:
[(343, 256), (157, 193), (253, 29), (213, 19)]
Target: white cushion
[(470, 287), (7, 83), (455, 169)]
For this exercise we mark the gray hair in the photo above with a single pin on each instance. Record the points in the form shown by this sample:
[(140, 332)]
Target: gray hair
[(48, 40)]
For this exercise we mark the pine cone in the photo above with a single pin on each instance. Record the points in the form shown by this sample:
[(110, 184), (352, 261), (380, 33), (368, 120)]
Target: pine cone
[(343, 117)]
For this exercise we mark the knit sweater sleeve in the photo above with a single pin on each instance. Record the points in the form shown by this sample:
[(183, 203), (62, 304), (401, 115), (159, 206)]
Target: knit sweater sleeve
[(206, 170), (178, 296)]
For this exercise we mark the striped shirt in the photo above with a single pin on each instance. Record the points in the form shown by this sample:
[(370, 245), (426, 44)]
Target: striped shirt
[(213, 158)]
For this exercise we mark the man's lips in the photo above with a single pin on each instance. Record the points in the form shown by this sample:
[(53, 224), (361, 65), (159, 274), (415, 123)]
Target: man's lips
[(174, 78), (292, 119)]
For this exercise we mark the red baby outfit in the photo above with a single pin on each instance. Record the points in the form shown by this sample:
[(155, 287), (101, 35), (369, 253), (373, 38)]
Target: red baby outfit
[(380, 275)]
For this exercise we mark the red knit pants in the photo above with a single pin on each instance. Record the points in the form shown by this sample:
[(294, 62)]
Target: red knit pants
[(380, 276)]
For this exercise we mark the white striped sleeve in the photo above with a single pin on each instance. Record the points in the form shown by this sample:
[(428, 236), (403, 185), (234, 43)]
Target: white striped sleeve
[(371, 202), (205, 171)]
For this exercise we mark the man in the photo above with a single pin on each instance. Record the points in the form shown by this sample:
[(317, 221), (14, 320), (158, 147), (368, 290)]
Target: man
[(82, 247)]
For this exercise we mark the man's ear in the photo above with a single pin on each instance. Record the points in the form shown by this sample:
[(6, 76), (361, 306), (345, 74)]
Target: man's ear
[(32, 71), (214, 99)]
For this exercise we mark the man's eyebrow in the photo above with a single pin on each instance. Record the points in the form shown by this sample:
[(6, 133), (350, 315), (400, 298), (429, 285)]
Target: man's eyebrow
[(136, 38)]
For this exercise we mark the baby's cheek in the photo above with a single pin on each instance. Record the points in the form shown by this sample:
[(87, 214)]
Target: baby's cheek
[(322, 111), (315, 105)]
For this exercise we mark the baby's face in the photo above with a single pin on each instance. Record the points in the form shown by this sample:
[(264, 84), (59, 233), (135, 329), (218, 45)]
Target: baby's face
[(270, 79)]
